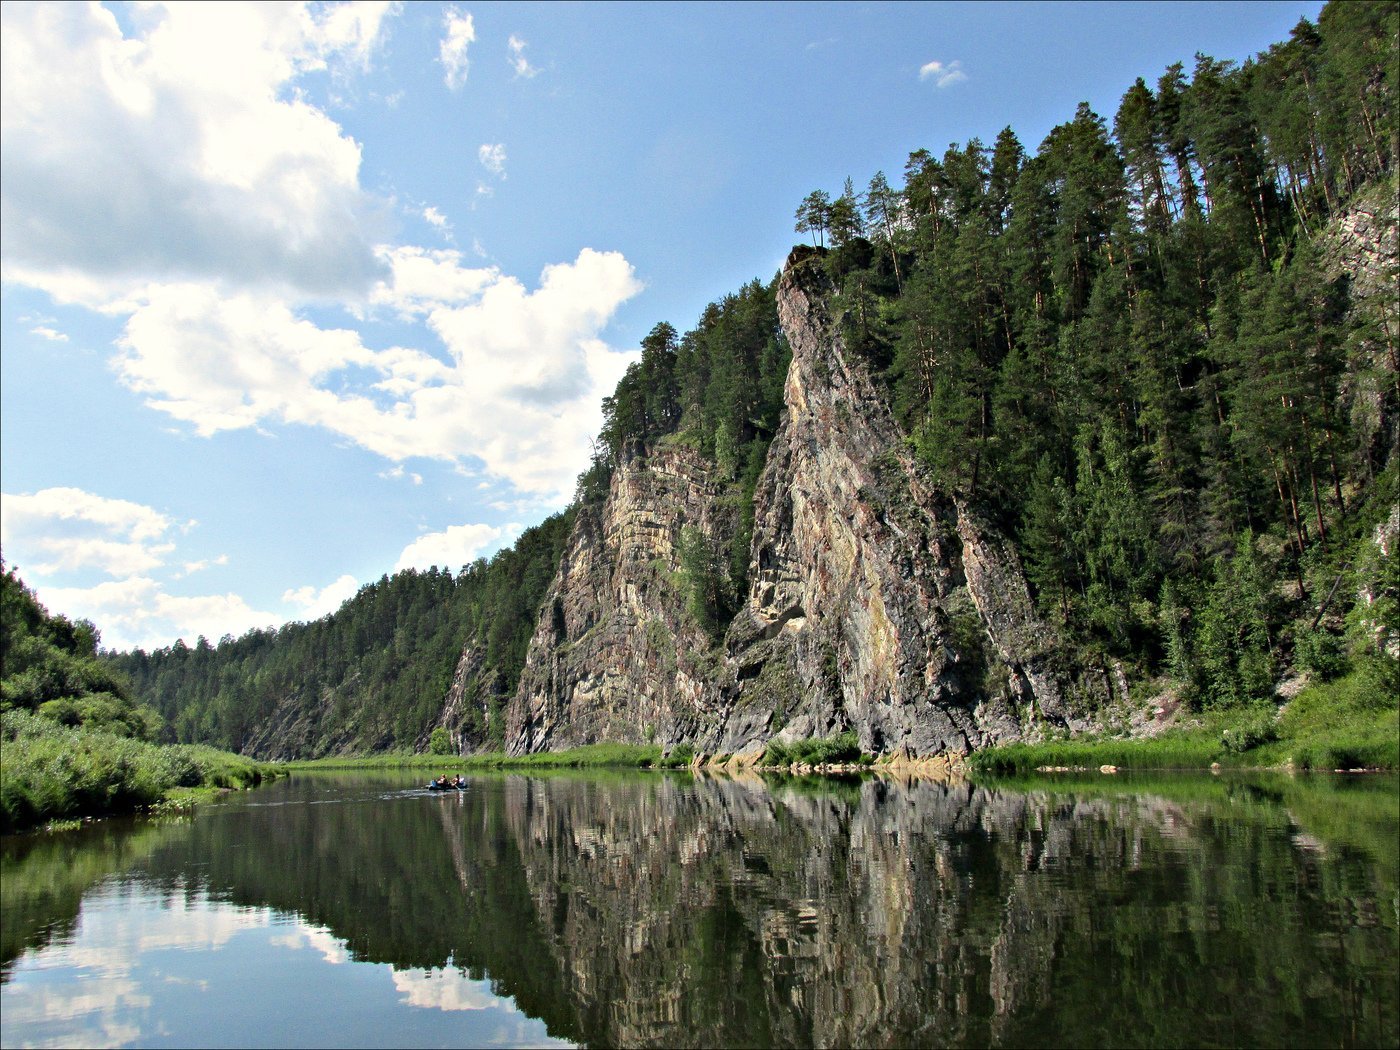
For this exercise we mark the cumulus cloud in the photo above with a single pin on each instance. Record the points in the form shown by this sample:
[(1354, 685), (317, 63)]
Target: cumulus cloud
[(458, 34), (493, 158), (943, 74), (455, 546), (520, 388), (398, 472), (318, 938), (60, 530), (517, 59), (179, 151), (314, 603), (53, 335), (177, 178), (139, 611)]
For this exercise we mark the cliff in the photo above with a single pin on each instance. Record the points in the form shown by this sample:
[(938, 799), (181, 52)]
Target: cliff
[(876, 602), (615, 656)]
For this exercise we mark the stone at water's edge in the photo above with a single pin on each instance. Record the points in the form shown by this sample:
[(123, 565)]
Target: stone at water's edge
[(876, 602)]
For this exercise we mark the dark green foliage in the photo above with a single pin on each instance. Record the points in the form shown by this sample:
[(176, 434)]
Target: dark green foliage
[(709, 596), (378, 668), (1258, 727), (678, 758), (844, 747), (49, 664), (1128, 350)]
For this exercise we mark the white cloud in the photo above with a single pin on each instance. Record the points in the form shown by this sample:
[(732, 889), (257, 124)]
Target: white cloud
[(943, 74), (398, 472), (53, 335), (455, 546), (421, 278), (436, 218), (225, 362), (459, 32), (313, 603), (493, 158), (180, 152), (139, 611), (317, 938), (67, 530), (61, 530), (520, 389), (517, 59), (192, 567)]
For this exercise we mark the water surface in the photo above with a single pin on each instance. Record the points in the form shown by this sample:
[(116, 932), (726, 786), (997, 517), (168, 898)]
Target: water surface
[(637, 910)]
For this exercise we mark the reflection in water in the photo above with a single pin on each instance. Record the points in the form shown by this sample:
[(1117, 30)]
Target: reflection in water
[(650, 910)]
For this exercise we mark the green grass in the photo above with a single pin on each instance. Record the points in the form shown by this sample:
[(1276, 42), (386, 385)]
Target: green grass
[(594, 756), (50, 772), (1350, 723)]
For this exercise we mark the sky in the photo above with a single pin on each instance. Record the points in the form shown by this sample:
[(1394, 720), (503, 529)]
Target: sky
[(298, 295)]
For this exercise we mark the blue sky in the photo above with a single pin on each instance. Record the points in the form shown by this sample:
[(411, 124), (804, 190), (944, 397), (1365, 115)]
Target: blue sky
[(298, 295)]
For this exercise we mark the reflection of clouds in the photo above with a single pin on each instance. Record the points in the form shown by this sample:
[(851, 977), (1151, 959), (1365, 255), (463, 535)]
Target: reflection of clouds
[(445, 990), (31, 1008), (146, 964), (99, 1004), (331, 947)]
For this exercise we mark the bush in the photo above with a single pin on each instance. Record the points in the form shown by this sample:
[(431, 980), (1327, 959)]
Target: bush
[(844, 747), (1256, 729), (440, 742), (680, 756), (51, 771)]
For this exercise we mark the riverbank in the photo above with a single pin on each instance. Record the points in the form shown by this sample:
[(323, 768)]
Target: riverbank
[(55, 773), (594, 756), (1350, 723)]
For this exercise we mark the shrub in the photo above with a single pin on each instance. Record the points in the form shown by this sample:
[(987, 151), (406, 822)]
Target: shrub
[(1258, 728), (51, 771), (844, 747)]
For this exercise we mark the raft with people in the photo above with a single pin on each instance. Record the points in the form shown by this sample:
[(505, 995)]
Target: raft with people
[(444, 783)]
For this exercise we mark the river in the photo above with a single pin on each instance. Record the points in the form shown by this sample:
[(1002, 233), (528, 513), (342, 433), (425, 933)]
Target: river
[(666, 910)]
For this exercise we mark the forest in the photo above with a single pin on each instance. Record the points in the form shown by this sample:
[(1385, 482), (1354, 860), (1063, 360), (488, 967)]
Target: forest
[(1137, 349)]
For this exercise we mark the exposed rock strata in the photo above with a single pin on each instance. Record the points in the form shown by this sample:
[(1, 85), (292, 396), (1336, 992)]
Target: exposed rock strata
[(615, 656), (1361, 247), (876, 602), (891, 608)]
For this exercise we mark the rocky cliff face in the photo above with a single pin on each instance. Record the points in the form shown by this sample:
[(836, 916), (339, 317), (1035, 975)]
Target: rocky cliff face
[(615, 656), (1361, 247), (876, 602)]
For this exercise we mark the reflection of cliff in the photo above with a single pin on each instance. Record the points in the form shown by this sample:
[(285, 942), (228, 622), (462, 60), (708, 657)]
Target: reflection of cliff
[(725, 914), (667, 911)]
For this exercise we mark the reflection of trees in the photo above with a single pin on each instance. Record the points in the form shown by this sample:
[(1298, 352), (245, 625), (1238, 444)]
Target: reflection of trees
[(652, 910), (43, 877)]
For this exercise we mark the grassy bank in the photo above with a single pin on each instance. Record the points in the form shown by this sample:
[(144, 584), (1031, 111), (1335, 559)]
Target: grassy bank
[(51, 772), (1351, 723), (593, 756)]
